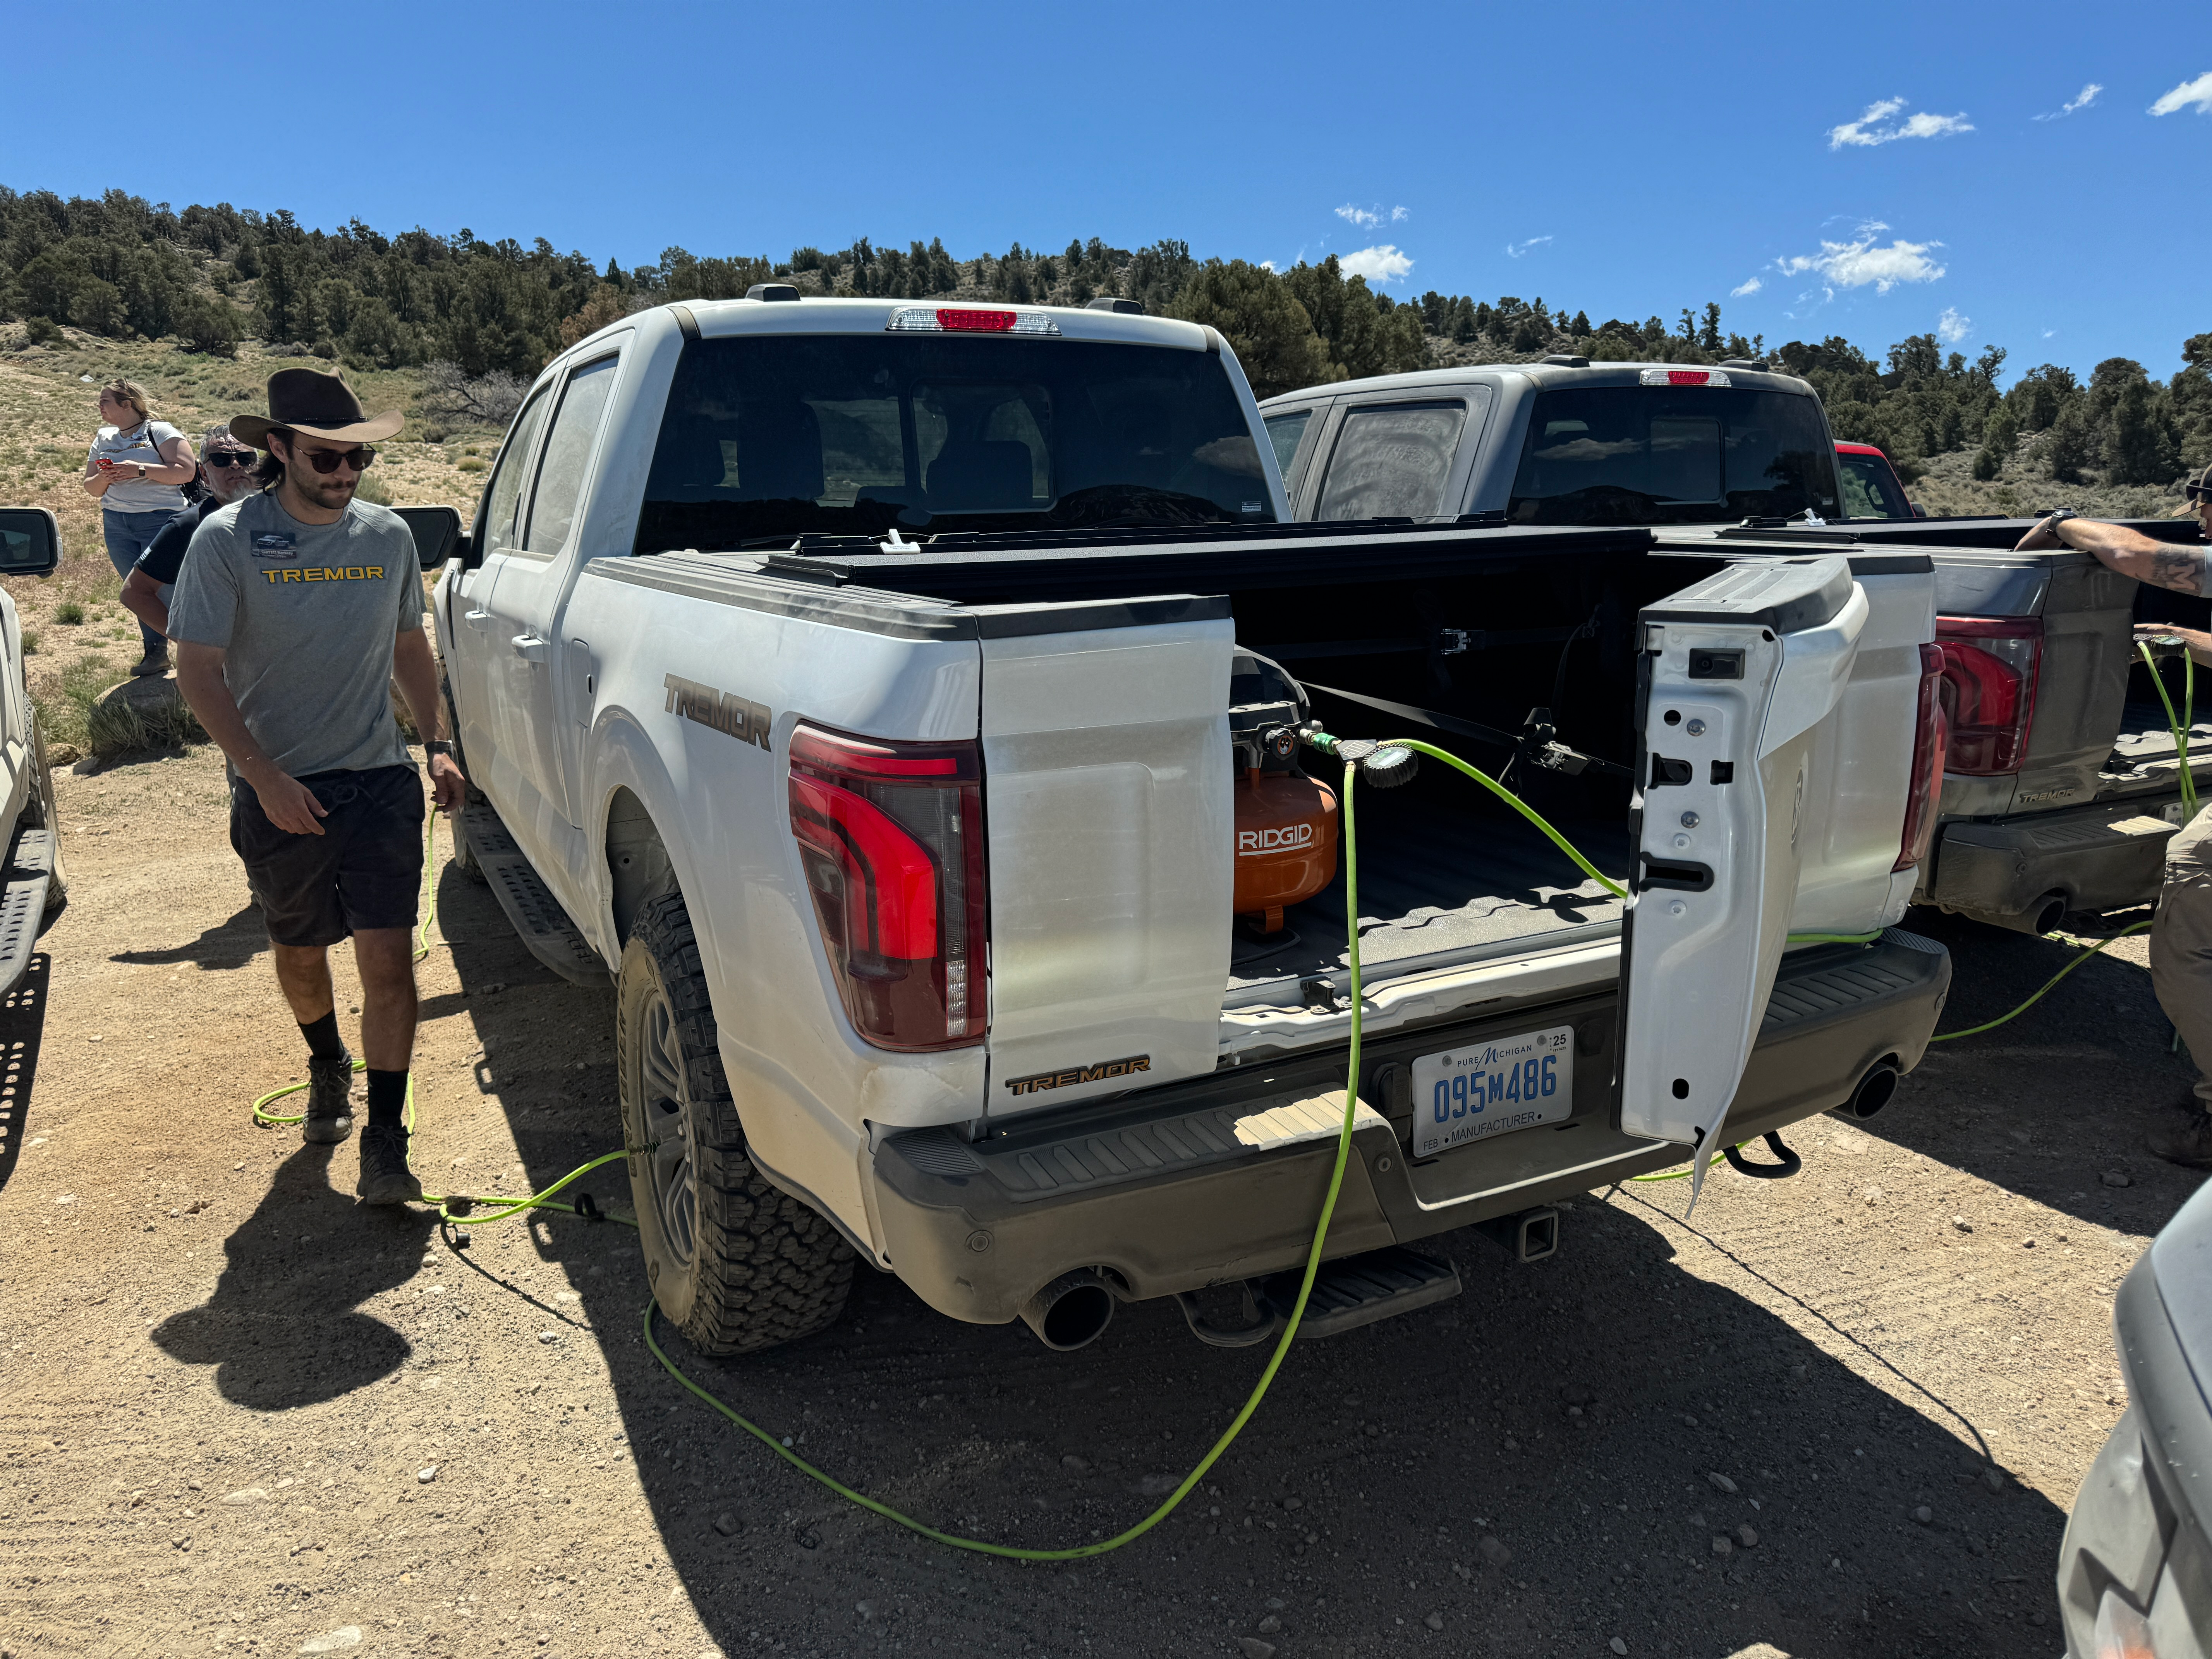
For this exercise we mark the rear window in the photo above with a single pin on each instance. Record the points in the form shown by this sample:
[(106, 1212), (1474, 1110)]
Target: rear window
[(1870, 489), (1634, 454), (768, 437)]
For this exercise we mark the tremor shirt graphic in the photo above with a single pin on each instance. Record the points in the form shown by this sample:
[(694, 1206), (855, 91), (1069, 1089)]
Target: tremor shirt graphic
[(306, 637)]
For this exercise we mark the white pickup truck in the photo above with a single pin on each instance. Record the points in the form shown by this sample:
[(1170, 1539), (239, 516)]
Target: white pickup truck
[(880, 695)]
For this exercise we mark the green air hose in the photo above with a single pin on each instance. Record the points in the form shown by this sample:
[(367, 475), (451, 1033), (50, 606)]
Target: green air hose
[(506, 1206), (2182, 724)]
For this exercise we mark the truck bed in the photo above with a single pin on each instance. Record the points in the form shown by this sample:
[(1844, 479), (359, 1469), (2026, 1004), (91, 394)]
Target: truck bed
[(1438, 882)]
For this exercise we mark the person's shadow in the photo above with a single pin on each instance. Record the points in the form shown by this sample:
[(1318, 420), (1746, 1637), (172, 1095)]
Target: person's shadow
[(282, 1328), (231, 943)]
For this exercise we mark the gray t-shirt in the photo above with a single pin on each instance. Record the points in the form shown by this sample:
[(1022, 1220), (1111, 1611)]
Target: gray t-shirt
[(306, 615)]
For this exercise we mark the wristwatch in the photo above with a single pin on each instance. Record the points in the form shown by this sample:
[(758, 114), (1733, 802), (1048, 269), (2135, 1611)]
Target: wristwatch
[(439, 746)]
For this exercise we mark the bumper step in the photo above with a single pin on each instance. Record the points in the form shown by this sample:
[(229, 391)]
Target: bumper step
[(1349, 1293), (536, 915)]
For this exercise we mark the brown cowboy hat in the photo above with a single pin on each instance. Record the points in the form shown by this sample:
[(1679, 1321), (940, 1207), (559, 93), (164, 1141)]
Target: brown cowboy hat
[(321, 406)]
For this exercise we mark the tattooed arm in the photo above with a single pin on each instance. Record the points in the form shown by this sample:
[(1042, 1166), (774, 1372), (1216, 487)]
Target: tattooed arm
[(2163, 564)]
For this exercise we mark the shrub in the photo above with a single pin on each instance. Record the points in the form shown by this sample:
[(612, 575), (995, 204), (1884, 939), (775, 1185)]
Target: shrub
[(209, 325), (30, 641), (43, 331), (69, 612), (451, 398), (469, 464)]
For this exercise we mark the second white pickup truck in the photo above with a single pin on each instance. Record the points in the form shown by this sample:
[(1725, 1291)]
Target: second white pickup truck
[(882, 696)]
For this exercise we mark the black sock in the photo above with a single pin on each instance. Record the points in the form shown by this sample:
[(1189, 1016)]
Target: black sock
[(387, 1098), (323, 1039)]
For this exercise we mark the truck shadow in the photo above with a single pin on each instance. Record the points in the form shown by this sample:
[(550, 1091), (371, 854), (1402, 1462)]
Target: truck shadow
[(1572, 1414), (2052, 1103)]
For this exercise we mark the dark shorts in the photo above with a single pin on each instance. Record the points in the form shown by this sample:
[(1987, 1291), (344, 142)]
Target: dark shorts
[(364, 870)]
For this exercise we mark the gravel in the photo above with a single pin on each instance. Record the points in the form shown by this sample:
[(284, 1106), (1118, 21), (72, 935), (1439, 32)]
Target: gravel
[(1722, 1483)]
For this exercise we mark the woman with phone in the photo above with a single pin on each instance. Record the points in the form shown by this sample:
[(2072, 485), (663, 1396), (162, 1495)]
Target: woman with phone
[(136, 471)]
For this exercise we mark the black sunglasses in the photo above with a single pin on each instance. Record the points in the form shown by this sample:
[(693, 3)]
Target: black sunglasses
[(229, 458), (326, 460)]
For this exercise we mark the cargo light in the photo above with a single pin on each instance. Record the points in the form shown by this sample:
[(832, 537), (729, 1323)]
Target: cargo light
[(891, 837), (1683, 377), (968, 319), (1991, 666), (1931, 734)]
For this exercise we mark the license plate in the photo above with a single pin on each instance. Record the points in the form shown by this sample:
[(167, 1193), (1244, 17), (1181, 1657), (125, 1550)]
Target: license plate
[(1491, 1088)]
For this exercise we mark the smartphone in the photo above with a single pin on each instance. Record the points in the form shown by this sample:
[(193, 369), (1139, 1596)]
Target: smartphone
[(105, 465)]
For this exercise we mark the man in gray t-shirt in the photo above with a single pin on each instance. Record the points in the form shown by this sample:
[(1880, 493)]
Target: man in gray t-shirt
[(295, 610)]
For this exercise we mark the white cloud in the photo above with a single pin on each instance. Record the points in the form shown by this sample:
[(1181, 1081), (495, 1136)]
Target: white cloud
[(1751, 285), (2081, 99), (1373, 218), (1876, 126), (1953, 327), (1520, 249), (1381, 263), (2048, 333), (2197, 95), (1861, 261), (1269, 264)]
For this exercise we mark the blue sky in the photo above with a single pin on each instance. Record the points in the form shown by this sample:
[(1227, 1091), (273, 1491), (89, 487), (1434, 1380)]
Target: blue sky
[(1871, 171)]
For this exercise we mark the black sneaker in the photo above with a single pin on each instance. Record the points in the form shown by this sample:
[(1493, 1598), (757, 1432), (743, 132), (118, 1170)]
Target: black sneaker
[(2185, 1136), (154, 662), (330, 1101), (385, 1176)]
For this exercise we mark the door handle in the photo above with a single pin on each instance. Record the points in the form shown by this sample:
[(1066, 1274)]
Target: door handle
[(475, 619), (529, 647)]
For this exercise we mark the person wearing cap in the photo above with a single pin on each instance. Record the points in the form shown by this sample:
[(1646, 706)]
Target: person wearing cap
[(227, 473), (2181, 939), (294, 610)]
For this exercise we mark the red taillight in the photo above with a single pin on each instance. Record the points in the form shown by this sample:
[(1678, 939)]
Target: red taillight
[(962, 321), (1712, 377), (1930, 735), (968, 319), (1989, 669), (890, 835)]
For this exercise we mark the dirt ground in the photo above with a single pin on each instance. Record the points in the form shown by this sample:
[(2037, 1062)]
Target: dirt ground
[(242, 1414)]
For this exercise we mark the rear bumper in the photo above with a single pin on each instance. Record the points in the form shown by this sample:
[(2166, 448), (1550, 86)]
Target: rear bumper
[(1161, 1190), (2012, 871)]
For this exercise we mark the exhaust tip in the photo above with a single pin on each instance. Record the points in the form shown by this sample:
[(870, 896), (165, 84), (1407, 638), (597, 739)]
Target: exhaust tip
[(1874, 1090), (1072, 1311)]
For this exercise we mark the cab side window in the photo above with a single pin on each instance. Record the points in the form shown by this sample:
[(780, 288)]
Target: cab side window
[(1283, 432), (567, 452), (501, 500), (1392, 460)]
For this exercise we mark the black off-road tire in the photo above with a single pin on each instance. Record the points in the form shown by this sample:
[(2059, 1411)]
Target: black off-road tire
[(735, 1263)]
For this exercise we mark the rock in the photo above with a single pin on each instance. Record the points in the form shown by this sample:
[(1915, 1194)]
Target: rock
[(1075, 1465), (1270, 1626), (2117, 1178), (251, 1495), (1294, 1502), (335, 1641), (1158, 1485), (426, 1475), (1253, 1648), (1492, 1551), (1723, 1546), (1962, 1224), (549, 1336), (1924, 1515), (1747, 1537), (728, 1525), (64, 754), (1617, 1645), (1276, 1604), (1993, 1481), (1721, 1483), (1434, 1621)]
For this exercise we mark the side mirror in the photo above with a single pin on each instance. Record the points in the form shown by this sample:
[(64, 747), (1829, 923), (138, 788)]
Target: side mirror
[(30, 541), (437, 534)]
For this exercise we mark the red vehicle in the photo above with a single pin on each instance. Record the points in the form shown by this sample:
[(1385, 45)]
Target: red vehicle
[(1872, 489)]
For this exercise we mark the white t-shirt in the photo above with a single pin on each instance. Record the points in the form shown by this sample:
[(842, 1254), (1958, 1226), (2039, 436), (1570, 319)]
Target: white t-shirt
[(141, 444)]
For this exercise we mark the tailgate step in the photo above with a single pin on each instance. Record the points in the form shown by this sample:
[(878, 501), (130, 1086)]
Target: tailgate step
[(1349, 1293), (536, 915)]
